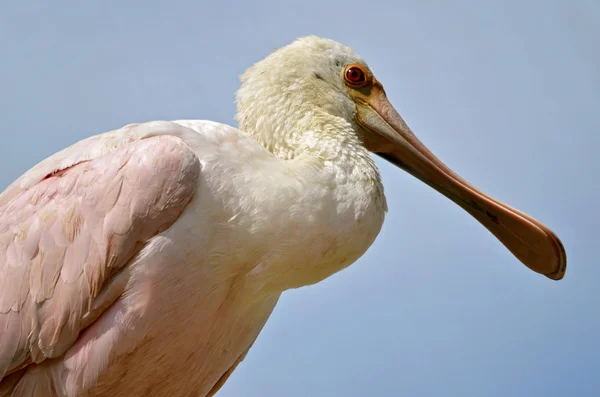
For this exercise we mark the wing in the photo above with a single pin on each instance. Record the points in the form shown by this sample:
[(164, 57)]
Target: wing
[(69, 227)]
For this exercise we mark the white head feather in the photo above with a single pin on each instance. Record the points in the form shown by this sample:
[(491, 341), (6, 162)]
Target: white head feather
[(295, 99)]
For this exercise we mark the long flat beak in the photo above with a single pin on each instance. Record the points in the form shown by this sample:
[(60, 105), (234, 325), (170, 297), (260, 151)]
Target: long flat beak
[(387, 135)]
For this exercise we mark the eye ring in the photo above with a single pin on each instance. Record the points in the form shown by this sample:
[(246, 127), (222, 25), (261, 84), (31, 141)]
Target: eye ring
[(355, 75)]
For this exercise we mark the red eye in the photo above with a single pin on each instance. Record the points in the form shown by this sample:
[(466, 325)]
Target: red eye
[(355, 75)]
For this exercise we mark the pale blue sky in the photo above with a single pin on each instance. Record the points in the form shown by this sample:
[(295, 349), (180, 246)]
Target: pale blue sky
[(505, 92)]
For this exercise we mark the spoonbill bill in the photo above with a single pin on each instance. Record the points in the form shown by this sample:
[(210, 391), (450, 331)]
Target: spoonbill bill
[(145, 261)]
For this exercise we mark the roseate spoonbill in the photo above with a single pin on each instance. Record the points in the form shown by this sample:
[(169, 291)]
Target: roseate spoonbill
[(146, 260)]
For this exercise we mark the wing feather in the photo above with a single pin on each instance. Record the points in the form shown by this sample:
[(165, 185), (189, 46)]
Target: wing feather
[(73, 223)]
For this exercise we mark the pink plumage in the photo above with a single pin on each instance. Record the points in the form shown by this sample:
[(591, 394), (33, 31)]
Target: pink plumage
[(64, 238)]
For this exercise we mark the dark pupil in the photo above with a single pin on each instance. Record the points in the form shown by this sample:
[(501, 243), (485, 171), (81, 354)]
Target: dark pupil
[(355, 74)]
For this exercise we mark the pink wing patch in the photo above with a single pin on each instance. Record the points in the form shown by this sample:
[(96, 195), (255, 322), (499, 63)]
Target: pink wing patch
[(63, 239)]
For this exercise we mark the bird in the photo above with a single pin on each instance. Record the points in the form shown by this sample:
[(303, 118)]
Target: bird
[(146, 260)]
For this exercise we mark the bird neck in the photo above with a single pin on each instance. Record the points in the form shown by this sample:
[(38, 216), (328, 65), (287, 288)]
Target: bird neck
[(340, 202), (313, 136), (332, 186), (304, 132)]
